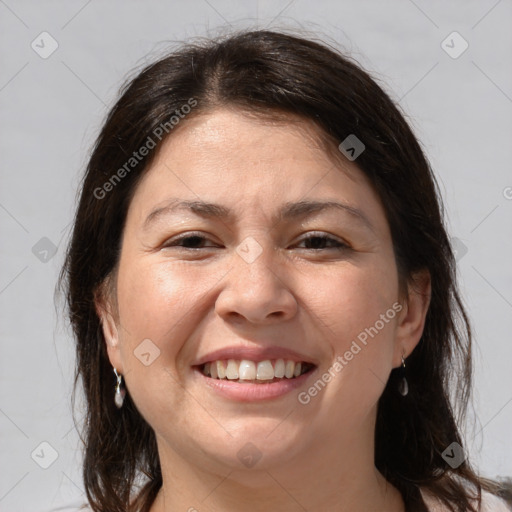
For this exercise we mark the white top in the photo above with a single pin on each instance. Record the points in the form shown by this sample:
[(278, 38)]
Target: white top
[(490, 503)]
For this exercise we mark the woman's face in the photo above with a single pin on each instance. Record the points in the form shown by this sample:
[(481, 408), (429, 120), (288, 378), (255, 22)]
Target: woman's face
[(261, 266)]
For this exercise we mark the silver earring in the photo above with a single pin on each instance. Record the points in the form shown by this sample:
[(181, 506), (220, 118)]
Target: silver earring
[(403, 386), (120, 392)]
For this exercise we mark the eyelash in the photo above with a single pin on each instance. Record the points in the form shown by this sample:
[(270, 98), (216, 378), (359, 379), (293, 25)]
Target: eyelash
[(322, 236)]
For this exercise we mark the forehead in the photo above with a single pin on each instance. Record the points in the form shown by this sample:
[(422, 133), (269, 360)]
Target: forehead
[(238, 160), (227, 134)]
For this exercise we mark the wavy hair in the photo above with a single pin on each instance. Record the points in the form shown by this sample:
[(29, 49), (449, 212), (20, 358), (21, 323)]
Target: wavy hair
[(274, 74)]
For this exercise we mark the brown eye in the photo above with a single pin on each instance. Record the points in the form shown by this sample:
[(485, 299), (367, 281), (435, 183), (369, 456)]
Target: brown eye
[(188, 241), (321, 241)]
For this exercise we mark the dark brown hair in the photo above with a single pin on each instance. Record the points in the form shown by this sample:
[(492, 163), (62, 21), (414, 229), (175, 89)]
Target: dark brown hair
[(273, 74)]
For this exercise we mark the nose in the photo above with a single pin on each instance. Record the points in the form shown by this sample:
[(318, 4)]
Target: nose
[(256, 290)]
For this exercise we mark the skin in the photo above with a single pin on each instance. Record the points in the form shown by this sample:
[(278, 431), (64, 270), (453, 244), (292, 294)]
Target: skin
[(188, 302)]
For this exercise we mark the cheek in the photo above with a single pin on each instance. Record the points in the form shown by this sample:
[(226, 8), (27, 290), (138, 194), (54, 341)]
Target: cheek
[(154, 310), (163, 301), (153, 302), (360, 310), (354, 298)]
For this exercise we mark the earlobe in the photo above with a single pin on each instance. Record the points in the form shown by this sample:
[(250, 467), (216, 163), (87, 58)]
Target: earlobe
[(411, 322)]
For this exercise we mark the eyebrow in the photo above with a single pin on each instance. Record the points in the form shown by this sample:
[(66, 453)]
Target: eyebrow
[(289, 211)]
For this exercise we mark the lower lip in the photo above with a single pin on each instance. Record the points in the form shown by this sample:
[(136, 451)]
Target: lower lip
[(254, 392)]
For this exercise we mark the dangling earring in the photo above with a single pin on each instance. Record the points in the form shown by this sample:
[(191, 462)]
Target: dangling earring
[(120, 393), (403, 387)]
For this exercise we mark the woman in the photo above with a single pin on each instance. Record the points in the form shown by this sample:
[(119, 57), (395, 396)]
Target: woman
[(264, 295)]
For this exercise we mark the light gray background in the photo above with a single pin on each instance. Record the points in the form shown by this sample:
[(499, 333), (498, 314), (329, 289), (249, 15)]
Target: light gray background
[(52, 108)]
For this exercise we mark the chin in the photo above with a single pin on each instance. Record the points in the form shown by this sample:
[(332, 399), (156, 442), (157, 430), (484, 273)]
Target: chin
[(258, 444)]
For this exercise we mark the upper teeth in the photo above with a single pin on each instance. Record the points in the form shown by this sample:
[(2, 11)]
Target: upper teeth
[(249, 370)]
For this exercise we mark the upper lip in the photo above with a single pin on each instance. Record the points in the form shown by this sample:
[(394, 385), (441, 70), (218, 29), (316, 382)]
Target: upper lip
[(254, 353)]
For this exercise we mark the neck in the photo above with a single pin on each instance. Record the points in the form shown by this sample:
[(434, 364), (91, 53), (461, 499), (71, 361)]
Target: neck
[(328, 477)]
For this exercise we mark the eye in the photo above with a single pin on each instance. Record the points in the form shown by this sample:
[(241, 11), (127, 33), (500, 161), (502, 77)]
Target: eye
[(188, 241), (315, 241), (319, 241)]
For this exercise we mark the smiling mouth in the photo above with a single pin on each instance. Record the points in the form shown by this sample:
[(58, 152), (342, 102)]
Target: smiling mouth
[(255, 372)]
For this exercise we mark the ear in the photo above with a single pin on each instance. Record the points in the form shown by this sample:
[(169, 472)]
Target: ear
[(411, 320), (106, 311)]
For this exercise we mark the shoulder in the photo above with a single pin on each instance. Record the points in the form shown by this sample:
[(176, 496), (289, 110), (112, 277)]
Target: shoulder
[(490, 503)]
